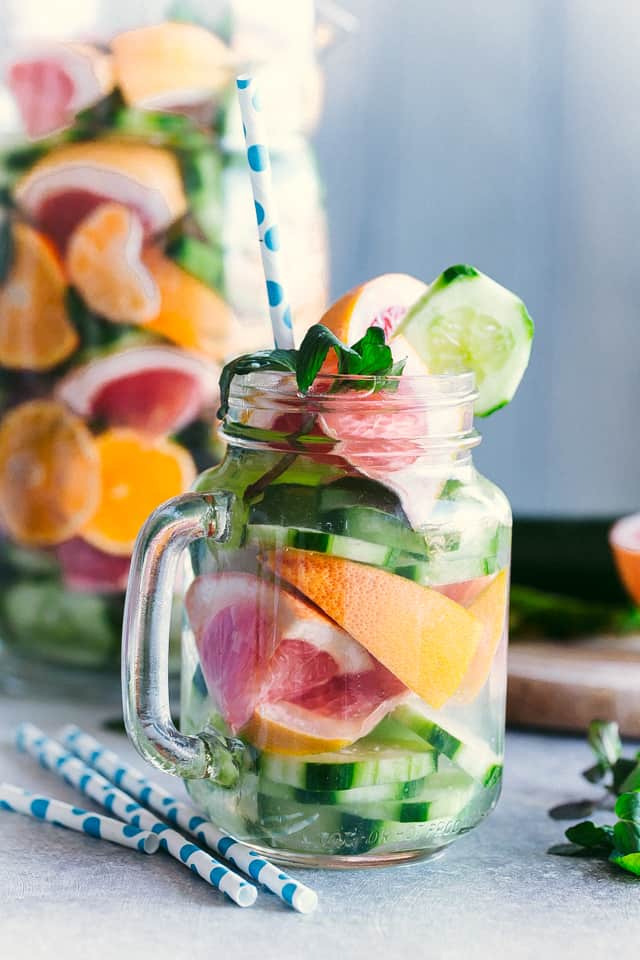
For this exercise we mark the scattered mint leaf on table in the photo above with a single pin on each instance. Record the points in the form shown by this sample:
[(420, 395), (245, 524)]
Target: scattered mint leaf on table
[(587, 834)]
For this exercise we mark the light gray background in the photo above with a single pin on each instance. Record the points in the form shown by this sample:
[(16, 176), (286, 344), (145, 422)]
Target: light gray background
[(506, 134)]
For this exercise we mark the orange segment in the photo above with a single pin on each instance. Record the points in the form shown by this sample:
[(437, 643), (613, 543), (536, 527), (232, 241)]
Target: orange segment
[(137, 474), (191, 314), (425, 639), (103, 262), (49, 473), (35, 332), (490, 607), (170, 64), (292, 730)]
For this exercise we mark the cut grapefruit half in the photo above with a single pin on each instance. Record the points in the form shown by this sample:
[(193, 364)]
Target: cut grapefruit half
[(52, 85), (68, 183), (154, 389), (137, 473), (49, 473), (171, 65), (425, 639), (103, 263), (35, 331), (624, 540)]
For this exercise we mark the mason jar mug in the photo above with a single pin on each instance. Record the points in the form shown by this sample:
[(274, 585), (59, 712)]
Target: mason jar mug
[(344, 647)]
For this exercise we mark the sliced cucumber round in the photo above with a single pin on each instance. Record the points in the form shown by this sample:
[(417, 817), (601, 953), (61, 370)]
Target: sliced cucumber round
[(362, 551), (376, 526), (467, 321), (402, 790), (357, 766)]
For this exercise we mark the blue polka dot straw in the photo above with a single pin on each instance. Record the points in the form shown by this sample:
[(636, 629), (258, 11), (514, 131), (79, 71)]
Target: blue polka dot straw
[(52, 756), (62, 814), (266, 216), (290, 891)]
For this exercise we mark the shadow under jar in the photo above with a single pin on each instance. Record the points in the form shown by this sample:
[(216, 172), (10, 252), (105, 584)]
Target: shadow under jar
[(344, 649)]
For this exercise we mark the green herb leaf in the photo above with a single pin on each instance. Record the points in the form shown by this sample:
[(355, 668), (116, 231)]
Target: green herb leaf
[(574, 810), (632, 781), (375, 355), (587, 834), (628, 806), (595, 774), (276, 360), (604, 740), (629, 861), (313, 351), (627, 836)]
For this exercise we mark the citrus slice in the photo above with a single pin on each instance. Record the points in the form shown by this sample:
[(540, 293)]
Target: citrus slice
[(55, 83), (154, 389), (425, 639), (380, 302), (466, 321), (171, 65), (624, 540), (88, 570), (191, 314), (49, 473), (68, 183), (35, 331), (490, 607), (103, 262), (137, 473)]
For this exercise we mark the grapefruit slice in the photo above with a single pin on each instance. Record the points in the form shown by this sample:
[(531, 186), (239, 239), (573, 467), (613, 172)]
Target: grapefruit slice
[(49, 473), (137, 473), (171, 65), (490, 607), (425, 639), (191, 314), (55, 83), (103, 262), (35, 331), (258, 643), (624, 540), (465, 591), (86, 569), (382, 302), (68, 183), (154, 389)]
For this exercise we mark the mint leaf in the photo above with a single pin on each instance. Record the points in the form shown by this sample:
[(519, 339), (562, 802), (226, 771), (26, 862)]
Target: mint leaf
[(631, 781), (628, 806), (629, 861), (276, 360), (627, 837), (587, 834), (375, 355), (604, 740), (318, 341)]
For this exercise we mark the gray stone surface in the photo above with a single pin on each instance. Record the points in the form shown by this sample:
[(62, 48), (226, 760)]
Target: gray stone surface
[(495, 894)]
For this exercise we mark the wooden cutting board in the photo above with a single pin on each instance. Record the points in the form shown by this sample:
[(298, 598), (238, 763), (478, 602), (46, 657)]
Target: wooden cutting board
[(565, 685)]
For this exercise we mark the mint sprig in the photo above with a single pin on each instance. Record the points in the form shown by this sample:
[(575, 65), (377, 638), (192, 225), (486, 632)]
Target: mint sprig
[(369, 358), (619, 843)]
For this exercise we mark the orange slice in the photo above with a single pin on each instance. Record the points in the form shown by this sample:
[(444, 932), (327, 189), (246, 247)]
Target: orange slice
[(68, 183), (35, 332), (425, 639), (170, 64), (49, 473), (137, 474), (103, 262), (289, 729), (490, 607), (191, 314)]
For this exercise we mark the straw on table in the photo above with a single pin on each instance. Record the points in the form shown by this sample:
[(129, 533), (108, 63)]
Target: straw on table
[(53, 757), (268, 231), (62, 814), (291, 891)]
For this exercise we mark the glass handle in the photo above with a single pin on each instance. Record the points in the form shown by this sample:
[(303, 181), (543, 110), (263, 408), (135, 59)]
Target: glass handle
[(145, 642)]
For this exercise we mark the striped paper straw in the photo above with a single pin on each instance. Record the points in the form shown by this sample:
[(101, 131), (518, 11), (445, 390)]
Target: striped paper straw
[(62, 814), (291, 891), (268, 231), (53, 757)]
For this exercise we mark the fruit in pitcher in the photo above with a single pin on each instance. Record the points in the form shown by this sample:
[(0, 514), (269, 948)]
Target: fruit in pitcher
[(490, 607), (154, 389), (171, 65), (35, 332), (191, 314), (624, 539), (49, 473), (67, 184), (52, 85), (104, 264), (407, 627), (136, 474)]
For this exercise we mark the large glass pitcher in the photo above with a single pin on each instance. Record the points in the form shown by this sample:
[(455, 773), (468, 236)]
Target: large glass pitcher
[(343, 664)]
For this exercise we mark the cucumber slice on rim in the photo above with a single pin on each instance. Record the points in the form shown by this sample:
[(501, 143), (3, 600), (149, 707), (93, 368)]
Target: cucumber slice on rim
[(358, 766), (467, 750), (467, 321)]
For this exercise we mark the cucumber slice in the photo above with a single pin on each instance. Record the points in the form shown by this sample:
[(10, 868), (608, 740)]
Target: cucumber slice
[(362, 765), (360, 492), (367, 523), (288, 504), (466, 321), (266, 535), (465, 749), (402, 790)]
